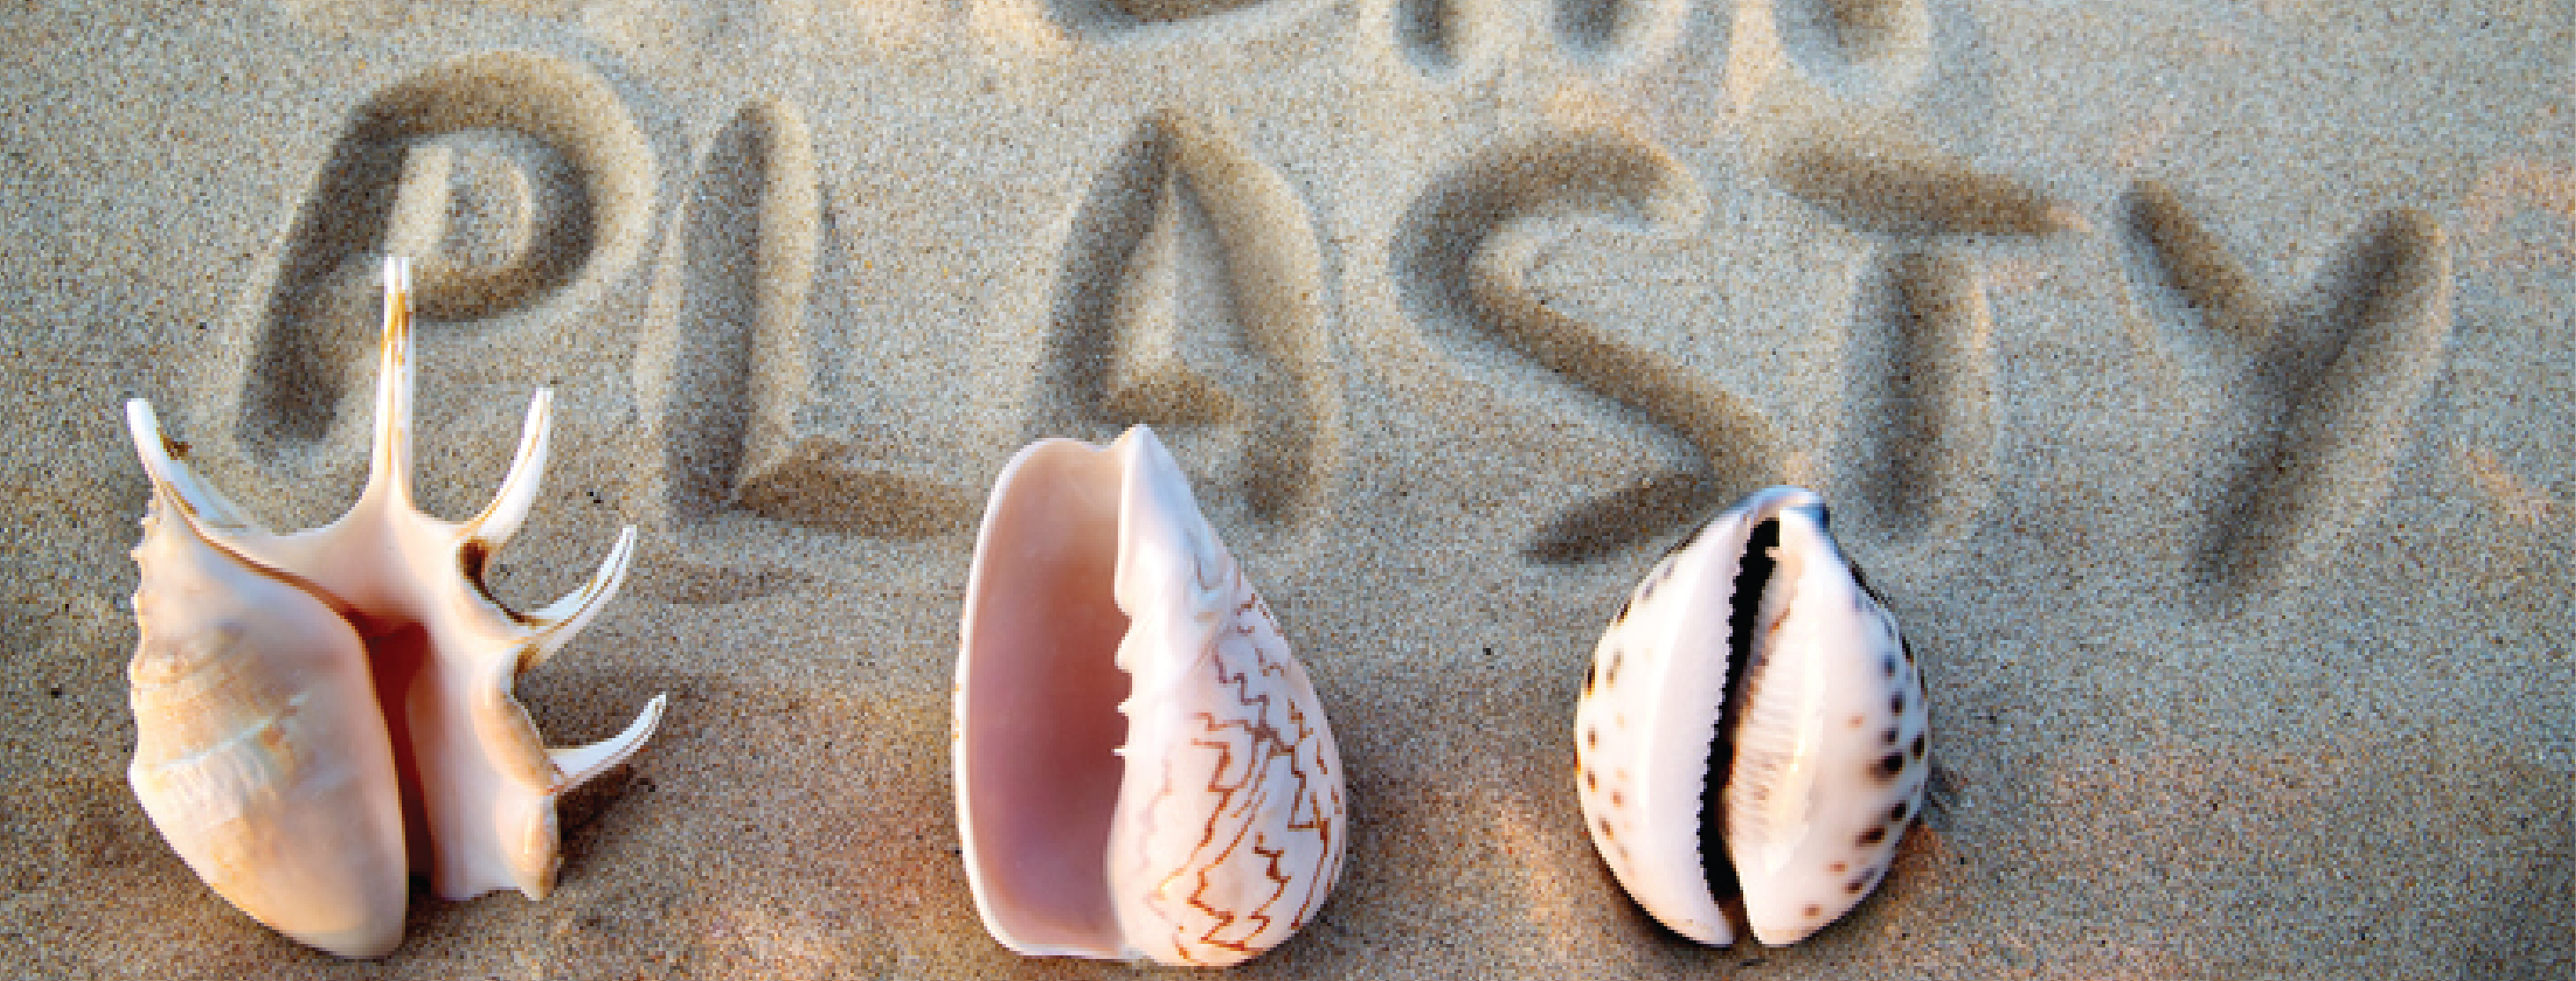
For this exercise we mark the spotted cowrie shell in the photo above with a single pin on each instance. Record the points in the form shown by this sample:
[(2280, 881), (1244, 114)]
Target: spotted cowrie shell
[(1752, 732)]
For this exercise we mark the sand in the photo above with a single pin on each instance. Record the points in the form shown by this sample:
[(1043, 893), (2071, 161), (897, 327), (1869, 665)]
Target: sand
[(2192, 378)]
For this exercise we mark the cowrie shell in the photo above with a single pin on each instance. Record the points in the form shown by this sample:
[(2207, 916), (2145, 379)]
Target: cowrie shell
[(1752, 731)]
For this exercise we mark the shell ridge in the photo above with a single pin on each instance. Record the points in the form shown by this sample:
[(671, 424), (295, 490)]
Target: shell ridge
[(507, 734), (239, 549), (1139, 576), (1776, 736), (1830, 818), (222, 775), (541, 844), (1648, 722)]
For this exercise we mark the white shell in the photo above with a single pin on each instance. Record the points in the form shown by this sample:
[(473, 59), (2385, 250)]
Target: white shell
[(1824, 719), (300, 698), (1204, 827)]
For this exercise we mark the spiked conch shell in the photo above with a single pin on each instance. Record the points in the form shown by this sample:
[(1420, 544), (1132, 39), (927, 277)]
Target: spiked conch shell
[(319, 711), (1751, 735), (1204, 827)]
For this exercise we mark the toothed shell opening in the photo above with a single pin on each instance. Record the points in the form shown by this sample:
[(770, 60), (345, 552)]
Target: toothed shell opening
[(1751, 735), (1038, 704)]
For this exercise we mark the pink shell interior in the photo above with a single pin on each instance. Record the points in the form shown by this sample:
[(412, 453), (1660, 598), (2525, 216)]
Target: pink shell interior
[(1039, 768)]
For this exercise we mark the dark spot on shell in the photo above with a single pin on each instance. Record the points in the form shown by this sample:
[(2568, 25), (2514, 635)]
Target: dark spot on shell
[(1811, 911), (1890, 737), (1898, 814), (1856, 885), (1838, 867), (1858, 721), (1588, 672), (1618, 799), (1591, 780), (1891, 765), (470, 559), (1622, 616), (1606, 834), (1871, 880), (1871, 837), (1610, 675), (1592, 737), (1887, 663), (1917, 748), (1898, 702)]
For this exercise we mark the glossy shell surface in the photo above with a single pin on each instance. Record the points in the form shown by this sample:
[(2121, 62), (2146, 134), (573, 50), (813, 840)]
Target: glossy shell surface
[(322, 713), (1143, 768), (1751, 739)]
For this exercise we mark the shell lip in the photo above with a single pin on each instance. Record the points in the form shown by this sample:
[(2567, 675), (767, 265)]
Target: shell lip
[(1041, 621)]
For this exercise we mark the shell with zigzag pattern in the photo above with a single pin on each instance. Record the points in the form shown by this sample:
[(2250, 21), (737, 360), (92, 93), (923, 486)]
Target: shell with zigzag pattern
[(1143, 768)]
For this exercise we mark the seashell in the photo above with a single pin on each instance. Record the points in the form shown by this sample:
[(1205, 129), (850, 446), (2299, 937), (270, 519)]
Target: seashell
[(318, 713), (1204, 827), (1751, 735)]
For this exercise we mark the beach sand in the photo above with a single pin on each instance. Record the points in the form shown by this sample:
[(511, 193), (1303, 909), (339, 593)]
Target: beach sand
[(2193, 379)]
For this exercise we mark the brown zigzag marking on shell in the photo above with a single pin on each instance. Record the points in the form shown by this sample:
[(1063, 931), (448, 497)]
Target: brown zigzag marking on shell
[(1271, 745)]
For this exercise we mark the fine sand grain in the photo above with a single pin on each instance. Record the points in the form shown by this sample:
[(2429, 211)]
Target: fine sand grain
[(2194, 378)]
